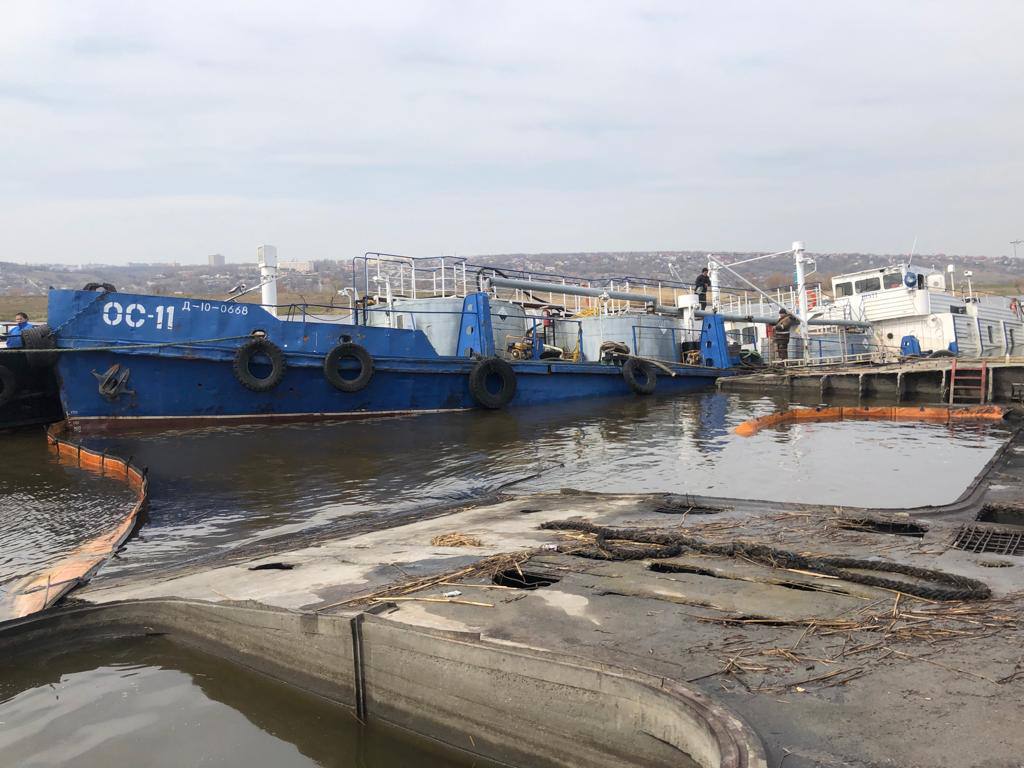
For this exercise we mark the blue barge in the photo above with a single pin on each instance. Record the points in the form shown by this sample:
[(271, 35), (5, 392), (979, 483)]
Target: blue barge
[(129, 358)]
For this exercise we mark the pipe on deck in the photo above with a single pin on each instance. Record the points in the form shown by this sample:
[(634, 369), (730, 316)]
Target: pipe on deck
[(773, 320), (571, 290), (581, 290)]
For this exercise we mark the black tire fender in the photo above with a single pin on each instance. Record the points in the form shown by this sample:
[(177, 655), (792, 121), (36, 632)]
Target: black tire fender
[(641, 377), (348, 350), (105, 287), (8, 385), (245, 355), (39, 337), (483, 373)]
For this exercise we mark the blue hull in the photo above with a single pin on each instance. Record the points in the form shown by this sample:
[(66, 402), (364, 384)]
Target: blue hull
[(184, 372), (178, 388)]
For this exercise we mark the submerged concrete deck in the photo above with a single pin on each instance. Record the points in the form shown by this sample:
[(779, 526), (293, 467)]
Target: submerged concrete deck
[(827, 672)]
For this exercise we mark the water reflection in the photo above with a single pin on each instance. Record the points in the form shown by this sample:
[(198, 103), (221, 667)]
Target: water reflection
[(855, 463), (216, 489), (148, 701)]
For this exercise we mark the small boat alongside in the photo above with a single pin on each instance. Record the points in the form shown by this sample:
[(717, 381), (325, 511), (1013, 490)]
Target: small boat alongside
[(28, 387), (416, 336), (876, 315), (913, 310)]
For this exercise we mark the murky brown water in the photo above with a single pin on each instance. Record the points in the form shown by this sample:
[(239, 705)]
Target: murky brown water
[(155, 704), (150, 702), (215, 489)]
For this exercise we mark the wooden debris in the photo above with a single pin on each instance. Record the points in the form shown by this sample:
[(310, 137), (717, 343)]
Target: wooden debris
[(872, 634), (487, 567), (456, 540)]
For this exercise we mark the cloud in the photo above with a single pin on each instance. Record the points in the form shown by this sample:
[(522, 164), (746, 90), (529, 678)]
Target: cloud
[(179, 129)]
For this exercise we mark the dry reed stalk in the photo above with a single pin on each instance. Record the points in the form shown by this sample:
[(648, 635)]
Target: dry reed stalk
[(488, 567), (906, 621), (456, 540)]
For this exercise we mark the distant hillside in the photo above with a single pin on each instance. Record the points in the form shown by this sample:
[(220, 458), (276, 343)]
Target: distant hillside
[(1004, 272), (20, 280)]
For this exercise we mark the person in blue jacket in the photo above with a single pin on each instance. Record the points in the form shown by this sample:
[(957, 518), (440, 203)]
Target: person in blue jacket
[(14, 334)]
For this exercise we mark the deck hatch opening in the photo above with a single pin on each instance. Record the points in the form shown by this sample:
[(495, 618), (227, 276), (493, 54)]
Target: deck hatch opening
[(682, 568), (682, 504), (672, 508), (661, 567), (872, 525), (1002, 514), (990, 539), (272, 567), (518, 579)]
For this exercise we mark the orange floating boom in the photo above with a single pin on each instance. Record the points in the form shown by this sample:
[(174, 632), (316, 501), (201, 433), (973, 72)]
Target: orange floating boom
[(934, 413), (41, 590)]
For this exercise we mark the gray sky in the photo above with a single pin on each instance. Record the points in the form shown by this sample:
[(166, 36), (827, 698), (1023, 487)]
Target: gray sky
[(170, 130)]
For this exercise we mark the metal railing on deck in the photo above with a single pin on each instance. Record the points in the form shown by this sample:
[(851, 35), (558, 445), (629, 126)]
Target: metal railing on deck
[(388, 276), (650, 342), (823, 351), (542, 333), (745, 302)]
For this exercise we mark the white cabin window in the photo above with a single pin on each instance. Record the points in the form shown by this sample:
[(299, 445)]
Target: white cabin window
[(991, 336), (892, 280), (844, 289), (1010, 343), (867, 285)]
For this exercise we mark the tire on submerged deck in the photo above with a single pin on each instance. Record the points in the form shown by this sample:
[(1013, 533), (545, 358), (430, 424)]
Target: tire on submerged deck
[(8, 385), (641, 377), (348, 350), (39, 337), (482, 374), (245, 355)]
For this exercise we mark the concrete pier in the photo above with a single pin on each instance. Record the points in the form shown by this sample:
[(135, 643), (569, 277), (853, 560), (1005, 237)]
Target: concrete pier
[(820, 670), (906, 381)]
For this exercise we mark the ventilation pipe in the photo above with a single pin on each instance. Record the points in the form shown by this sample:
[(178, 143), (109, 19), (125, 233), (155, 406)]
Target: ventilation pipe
[(266, 257), (801, 286)]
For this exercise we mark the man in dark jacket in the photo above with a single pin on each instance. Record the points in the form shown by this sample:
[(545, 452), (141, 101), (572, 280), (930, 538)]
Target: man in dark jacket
[(781, 333), (701, 286)]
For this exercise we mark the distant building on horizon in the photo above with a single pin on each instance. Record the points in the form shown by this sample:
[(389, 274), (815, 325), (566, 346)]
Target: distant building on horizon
[(216, 260), (302, 267)]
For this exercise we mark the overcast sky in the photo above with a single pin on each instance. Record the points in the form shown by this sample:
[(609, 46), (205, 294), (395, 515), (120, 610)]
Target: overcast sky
[(170, 130)]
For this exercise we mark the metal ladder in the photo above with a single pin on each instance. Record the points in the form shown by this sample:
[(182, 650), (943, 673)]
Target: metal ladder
[(968, 384)]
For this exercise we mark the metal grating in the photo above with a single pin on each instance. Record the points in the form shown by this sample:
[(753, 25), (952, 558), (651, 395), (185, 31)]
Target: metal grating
[(996, 541)]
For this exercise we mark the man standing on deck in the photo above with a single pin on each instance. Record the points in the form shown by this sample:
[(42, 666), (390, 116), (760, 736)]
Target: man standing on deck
[(14, 334), (781, 333), (701, 286)]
